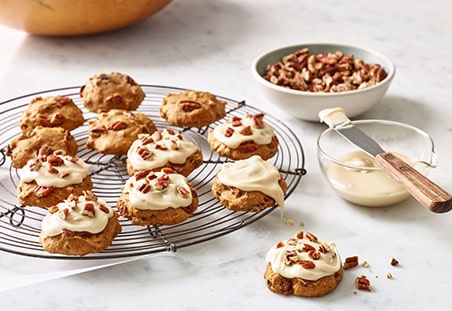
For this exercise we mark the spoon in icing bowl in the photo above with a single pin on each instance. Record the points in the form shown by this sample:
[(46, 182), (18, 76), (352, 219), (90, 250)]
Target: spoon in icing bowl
[(429, 194)]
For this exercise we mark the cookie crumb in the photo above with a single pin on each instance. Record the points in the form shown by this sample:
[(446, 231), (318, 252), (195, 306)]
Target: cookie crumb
[(365, 264)]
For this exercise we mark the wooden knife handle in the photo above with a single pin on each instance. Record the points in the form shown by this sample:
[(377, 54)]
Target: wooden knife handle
[(429, 194)]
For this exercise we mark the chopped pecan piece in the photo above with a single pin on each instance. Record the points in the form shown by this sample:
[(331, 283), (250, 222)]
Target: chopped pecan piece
[(307, 264), (147, 140), (314, 254), (246, 131), (162, 182), (280, 244), (183, 192), (53, 209), (300, 235), (323, 249), (229, 132), (104, 209), (53, 170), (41, 191), (63, 213), (144, 153), (141, 174), (362, 283), (157, 135), (307, 248), (311, 237), (168, 170), (55, 160), (394, 262), (88, 210), (351, 262), (144, 188)]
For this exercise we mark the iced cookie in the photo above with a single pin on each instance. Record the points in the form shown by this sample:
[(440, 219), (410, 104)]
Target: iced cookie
[(303, 266), (106, 91), (192, 108), (163, 149), (113, 132), (79, 225), (157, 198), (249, 185), (240, 138), (50, 178)]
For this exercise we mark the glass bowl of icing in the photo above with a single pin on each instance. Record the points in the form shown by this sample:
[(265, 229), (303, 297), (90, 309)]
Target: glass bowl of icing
[(355, 175)]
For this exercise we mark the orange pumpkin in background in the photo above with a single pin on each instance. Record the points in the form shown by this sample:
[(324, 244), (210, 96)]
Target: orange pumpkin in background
[(75, 17)]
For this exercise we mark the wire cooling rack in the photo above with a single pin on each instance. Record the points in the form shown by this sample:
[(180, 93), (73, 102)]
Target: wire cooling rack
[(20, 225)]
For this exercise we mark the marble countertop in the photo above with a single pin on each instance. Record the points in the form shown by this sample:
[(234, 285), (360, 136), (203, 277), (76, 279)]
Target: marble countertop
[(209, 45)]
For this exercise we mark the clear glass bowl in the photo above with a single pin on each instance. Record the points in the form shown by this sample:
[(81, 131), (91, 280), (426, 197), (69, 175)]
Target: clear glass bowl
[(357, 178)]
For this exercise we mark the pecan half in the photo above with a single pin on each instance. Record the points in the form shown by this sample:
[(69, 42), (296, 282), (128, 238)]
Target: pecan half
[(117, 125), (97, 130), (189, 105)]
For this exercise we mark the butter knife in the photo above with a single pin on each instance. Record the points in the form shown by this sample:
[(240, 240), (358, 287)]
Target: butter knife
[(429, 194)]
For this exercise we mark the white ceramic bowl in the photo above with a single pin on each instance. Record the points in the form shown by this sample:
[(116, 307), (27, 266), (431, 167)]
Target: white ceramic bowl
[(305, 104), (364, 182)]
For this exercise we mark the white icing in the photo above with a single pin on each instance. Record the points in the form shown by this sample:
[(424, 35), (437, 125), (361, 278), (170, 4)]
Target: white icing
[(177, 150), (334, 117), (69, 173), (283, 258), (253, 174), (76, 219), (155, 199), (261, 136)]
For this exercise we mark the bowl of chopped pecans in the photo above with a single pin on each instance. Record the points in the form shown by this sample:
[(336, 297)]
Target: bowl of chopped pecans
[(304, 79)]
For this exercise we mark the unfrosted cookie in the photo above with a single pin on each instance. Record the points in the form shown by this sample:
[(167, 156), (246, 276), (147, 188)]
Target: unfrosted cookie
[(79, 225), (113, 132), (51, 111), (25, 146), (50, 178), (192, 108), (249, 185), (157, 198), (303, 266), (163, 149), (240, 138), (106, 91)]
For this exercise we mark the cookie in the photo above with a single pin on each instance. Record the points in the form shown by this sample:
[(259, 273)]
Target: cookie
[(192, 108), (106, 91), (163, 149), (157, 198), (51, 111), (50, 178), (240, 138), (79, 225), (113, 132), (249, 185), (303, 266), (24, 147)]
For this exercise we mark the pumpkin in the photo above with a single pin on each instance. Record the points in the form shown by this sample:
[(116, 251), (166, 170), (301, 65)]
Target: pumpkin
[(75, 17)]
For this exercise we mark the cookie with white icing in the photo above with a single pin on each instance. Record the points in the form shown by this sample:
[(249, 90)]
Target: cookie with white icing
[(51, 111), (79, 225), (24, 147), (192, 108), (303, 266), (50, 177), (113, 132), (157, 198), (249, 185), (105, 91), (240, 138), (163, 149)]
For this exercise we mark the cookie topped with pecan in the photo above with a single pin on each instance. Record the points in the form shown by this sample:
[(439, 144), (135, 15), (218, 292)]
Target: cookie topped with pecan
[(106, 91), (165, 148), (157, 198), (304, 265), (113, 132), (50, 177), (240, 138), (51, 111), (79, 225), (192, 108)]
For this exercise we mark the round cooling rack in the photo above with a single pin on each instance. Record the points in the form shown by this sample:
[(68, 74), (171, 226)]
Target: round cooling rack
[(20, 225)]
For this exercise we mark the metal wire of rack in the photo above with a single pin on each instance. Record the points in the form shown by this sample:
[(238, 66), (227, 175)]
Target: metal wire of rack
[(20, 225)]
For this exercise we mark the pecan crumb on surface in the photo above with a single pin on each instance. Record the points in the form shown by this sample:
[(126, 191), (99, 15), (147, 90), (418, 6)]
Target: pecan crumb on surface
[(350, 262), (394, 262), (362, 283), (389, 275)]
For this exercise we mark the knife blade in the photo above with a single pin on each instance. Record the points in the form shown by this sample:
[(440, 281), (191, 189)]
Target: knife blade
[(425, 191)]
